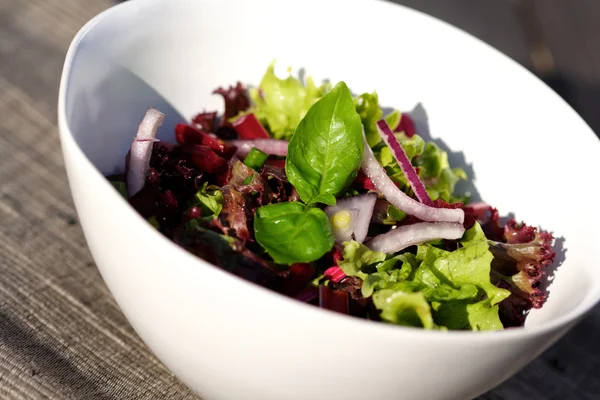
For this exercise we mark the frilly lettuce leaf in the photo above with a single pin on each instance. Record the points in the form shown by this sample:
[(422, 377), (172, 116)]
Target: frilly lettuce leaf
[(468, 265), (357, 257), (210, 199), (280, 104), (402, 308), (522, 255), (367, 106), (438, 177), (480, 316), (455, 285)]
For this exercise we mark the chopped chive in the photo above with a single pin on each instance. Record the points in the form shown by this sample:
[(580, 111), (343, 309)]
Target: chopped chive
[(256, 158)]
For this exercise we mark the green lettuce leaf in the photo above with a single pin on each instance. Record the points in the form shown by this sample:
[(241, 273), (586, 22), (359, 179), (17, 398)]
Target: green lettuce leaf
[(357, 257), (393, 119), (390, 273), (402, 308), (210, 199), (367, 106), (413, 147), (456, 285), (471, 264), (280, 104), (480, 316), (438, 177)]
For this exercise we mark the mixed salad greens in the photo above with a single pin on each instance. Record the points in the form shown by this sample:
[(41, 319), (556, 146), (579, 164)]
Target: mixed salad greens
[(314, 193)]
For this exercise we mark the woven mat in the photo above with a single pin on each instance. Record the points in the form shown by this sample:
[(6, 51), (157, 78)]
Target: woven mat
[(61, 334)]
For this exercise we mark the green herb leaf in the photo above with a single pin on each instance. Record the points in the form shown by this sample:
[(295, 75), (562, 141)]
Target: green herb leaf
[(292, 232), (210, 199), (326, 150), (255, 158)]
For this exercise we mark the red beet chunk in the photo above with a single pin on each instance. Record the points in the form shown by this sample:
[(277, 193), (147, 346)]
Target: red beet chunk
[(248, 127), (363, 182), (205, 121), (189, 135), (334, 300), (204, 158), (407, 125)]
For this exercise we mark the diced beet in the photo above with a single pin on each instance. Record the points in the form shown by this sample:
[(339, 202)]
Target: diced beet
[(248, 127), (273, 162), (334, 300), (406, 125), (205, 121), (168, 206), (363, 182), (442, 204), (300, 275), (194, 212), (205, 158), (189, 135), (152, 177), (222, 178)]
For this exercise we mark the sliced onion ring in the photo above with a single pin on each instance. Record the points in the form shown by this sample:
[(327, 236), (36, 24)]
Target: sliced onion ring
[(364, 205), (141, 150), (273, 147), (405, 165), (409, 235), (384, 185)]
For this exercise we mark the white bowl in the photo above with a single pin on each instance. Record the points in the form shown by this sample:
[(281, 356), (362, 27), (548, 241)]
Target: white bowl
[(229, 339)]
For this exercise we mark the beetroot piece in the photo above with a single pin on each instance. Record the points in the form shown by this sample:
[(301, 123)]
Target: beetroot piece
[(205, 121), (248, 127)]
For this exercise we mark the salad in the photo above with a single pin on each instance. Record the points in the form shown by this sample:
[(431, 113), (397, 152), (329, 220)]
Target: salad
[(314, 193)]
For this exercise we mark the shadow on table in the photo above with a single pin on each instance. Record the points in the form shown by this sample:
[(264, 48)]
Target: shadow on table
[(582, 96), (46, 361)]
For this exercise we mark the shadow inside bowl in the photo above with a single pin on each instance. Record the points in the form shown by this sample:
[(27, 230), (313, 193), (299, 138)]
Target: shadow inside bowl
[(98, 124)]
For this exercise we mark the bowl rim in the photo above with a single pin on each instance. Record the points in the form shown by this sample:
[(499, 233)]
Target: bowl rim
[(368, 327)]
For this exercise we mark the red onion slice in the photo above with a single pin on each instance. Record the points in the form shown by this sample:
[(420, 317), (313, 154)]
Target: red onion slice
[(273, 147), (409, 235), (405, 165), (384, 185), (361, 208), (141, 150)]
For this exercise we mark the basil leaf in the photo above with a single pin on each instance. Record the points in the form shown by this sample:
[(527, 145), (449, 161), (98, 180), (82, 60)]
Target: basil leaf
[(326, 150), (292, 232)]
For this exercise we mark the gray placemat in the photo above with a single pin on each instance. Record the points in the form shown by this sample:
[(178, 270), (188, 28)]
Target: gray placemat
[(61, 334)]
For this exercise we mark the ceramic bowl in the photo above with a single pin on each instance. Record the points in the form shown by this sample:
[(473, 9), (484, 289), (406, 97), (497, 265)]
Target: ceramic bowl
[(527, 151)]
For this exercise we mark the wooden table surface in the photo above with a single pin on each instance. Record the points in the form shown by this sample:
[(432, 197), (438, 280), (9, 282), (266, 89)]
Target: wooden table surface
[(61, 334)]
